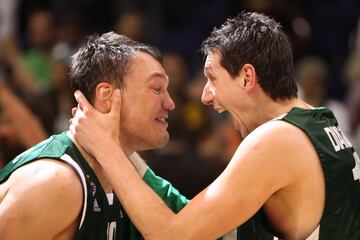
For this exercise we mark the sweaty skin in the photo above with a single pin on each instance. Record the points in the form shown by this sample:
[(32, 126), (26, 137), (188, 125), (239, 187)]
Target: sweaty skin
[(267, 170), (52, 199)]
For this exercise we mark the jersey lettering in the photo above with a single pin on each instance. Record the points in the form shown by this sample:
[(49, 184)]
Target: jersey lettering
[(111, 231), (337, 138)]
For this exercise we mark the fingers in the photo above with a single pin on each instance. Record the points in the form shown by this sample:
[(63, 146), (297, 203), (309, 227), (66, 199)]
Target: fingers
[(77, 115), (73, 111), (116, 103), (83, 103)]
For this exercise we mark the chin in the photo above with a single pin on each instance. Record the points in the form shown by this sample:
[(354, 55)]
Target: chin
[(158, 143), (163, 141)]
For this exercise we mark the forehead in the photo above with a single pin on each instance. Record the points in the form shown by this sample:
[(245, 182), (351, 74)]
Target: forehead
[(143, 65), (212, 61)]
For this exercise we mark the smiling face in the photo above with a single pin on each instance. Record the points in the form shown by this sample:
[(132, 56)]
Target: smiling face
[(226, 93), (145, 104)]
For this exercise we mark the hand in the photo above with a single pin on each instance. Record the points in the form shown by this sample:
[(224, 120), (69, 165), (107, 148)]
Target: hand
[(93, 130)]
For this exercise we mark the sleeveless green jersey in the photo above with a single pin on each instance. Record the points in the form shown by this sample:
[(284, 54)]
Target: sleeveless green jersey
[(341, 167), (102, 217)]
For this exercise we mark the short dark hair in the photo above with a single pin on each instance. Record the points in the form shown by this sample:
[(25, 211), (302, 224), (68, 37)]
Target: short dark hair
[(256, 39), (105, 58)]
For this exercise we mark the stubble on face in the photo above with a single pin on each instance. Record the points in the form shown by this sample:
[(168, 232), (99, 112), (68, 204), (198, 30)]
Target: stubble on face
[(142, 107)]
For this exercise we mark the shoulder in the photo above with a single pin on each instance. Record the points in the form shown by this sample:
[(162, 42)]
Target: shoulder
[(46, 191), (277, 149), (45, 173), (277, 135), (51, 181)]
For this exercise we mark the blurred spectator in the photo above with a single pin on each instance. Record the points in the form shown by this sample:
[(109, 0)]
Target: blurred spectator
[(131, 23), (69, 35), (177, 70), (21, 75), (8, 18), (215, 139), (352, 73), (312, 74), (19, 127), (38, 58), (62, 97)]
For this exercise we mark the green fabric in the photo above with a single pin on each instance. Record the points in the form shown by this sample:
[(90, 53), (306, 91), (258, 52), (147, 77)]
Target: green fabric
[(341, 216), (41, 67), (166, 191), (95, 225), (171, 196), (100, 215)]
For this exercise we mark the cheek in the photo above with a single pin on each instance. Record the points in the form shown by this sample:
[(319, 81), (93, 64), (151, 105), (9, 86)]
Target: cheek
[(212, 90)]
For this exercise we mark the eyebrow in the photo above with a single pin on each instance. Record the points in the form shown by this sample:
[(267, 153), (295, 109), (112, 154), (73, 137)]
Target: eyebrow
[(207, 70), (208, 67), (160, 75)]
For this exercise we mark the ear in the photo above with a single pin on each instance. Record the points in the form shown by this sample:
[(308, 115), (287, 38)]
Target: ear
[(248, 74), (103, 93)]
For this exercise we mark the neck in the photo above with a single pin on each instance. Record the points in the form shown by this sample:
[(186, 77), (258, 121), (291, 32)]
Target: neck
[(95, 166), (269, 109), (274, 109), (126, 146)]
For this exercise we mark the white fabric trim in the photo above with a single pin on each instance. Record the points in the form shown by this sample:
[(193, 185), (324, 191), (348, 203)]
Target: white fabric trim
[(313, 236), (110, 198), (76, 166)]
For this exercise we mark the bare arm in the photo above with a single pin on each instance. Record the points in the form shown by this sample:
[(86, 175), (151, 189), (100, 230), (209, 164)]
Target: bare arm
[(14, 58), (244, 186), (27, 126), (43, 201)]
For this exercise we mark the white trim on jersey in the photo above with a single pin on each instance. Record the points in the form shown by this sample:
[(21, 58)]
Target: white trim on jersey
[(313, 236), (110, 198), (76, 166)]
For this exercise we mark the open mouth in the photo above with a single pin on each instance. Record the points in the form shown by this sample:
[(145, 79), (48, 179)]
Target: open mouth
[(162, 120), (220, 110)]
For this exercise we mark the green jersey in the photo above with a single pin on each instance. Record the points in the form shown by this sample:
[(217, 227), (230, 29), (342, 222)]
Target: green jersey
[(341, 167), (102, 217)]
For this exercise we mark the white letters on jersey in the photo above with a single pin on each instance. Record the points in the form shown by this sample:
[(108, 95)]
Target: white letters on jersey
[(111, 231), (356, 169), (337, 138), (340, 142)]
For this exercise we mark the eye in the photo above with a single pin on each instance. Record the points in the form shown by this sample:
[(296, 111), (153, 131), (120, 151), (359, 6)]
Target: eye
[(157, 90), (211, 78)]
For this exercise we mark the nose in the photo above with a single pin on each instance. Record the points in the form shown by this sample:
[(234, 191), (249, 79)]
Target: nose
[(207, 96), (168, 103)]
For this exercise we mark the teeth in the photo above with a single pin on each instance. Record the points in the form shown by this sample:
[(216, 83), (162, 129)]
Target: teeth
[(161, 119)]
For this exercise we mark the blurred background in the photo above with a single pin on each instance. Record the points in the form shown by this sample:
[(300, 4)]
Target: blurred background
[(38, 36)]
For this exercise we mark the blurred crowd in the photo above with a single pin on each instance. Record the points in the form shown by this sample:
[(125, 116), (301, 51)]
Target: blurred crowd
[(37, 39)]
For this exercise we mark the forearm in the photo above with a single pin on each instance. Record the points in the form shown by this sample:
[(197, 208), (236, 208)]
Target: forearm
[(14, 58), (152, 217), (30, 133), (23, 76)]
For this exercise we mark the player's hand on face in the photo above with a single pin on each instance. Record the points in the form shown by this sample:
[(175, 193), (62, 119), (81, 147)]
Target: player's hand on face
[(92, 129)]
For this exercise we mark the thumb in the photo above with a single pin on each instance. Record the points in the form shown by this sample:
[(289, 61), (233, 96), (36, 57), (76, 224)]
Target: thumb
[(115, 104)]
